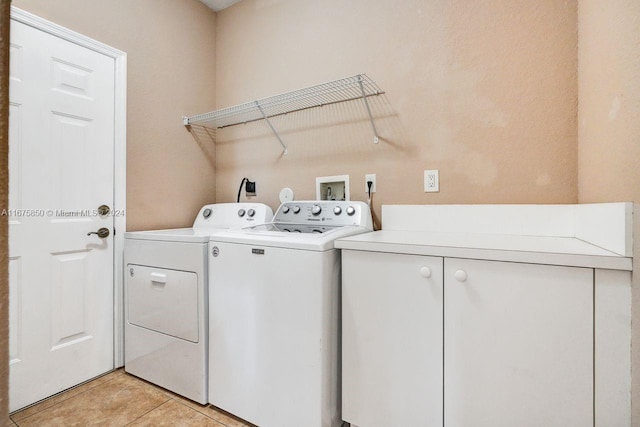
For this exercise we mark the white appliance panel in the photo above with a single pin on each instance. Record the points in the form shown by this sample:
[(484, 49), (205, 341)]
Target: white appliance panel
[(164, 301), (274, 331), (176, 364), (171, 363)]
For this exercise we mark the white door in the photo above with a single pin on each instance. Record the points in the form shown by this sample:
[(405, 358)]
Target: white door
[(518, 344), (391, 339), (61, 169)]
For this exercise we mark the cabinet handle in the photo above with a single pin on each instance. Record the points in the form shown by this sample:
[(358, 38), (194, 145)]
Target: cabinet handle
[(425, 272), (460, 275)]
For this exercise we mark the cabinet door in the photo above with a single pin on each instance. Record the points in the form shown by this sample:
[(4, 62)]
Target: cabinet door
[(518, 345), (391, 339)]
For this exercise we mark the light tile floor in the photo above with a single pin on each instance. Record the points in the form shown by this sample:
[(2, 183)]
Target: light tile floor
[(119, 399)]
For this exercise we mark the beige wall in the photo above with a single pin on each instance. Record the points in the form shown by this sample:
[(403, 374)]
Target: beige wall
[(170, 48), (609, 108), (609, 124), (486, 92)]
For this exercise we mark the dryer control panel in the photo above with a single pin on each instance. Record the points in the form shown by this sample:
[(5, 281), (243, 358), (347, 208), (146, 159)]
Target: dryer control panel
[(232, 215)]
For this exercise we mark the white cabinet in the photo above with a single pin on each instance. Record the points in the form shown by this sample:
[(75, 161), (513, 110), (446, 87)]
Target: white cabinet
[(493, 343), (518, 344), (392, 339)]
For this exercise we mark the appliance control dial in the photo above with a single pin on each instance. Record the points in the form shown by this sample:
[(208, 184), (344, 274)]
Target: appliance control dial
[(285, 209), (251, 213), (337, 210), (241, 213), (315, 210), (296, 209), (206, 213), (351, 210)]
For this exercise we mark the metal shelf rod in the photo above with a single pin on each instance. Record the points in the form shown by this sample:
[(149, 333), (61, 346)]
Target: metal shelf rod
[(344, 90), (355, 98), (366, 104), (266, 119)]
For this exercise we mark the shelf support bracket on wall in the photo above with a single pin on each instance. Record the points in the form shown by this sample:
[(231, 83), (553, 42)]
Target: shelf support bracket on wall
[(266, 119), (376, 139)]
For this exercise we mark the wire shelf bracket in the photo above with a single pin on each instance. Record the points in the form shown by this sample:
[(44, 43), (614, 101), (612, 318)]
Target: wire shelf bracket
[(358, 87), (275, 132)]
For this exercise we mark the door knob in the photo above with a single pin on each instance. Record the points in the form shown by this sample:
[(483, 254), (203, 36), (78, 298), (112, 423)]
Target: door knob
[(102, 233), (103, 210)]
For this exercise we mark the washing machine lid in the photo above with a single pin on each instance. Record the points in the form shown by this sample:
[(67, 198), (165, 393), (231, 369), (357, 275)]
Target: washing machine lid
[(267, 236), (308, 225)]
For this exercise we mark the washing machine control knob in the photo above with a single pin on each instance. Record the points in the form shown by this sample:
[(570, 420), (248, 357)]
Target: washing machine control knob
[(285, 209), (337, 210), (315, 210), (351, 210), (251, 213), (241, 213), (296, 209)]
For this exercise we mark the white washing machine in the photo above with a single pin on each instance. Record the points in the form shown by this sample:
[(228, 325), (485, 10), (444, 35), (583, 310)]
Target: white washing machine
[(274, 320), (166, 298)]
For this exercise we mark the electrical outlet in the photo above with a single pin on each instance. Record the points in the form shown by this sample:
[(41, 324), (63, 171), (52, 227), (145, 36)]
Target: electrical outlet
[(250, 188), (431, 181), (370, 177)]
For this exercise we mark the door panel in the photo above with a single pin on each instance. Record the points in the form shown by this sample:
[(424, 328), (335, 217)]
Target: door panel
[(69, 279), (518, 344), (391, 339), (164, 301), (70, 146), (15, 156), (15, 290), (61, 169)]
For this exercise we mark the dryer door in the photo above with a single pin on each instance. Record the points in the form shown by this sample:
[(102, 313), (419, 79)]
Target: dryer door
[(163, 300)]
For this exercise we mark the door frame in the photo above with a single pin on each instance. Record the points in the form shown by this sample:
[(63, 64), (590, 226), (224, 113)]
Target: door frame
[(120, 158)]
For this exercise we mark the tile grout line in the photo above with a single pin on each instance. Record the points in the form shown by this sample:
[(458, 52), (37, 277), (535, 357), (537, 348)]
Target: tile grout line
[(232, 416), (150, 410), (62, 398), (60, 395), (182, 400), (201, 413)]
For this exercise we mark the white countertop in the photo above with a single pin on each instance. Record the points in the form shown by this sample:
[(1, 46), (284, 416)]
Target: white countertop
[(568, 251)]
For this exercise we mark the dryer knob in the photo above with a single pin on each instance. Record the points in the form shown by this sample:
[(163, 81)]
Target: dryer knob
[(337, 210), (285, 209), (296, 209), (241, 213), (251, 213), (315, 210), (351, 210)]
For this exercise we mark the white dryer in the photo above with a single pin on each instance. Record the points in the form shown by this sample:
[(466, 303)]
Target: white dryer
[(274, 323), (166, 298)]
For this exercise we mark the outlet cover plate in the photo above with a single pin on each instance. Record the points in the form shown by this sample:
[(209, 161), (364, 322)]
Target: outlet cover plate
[(370, 177), (431, 181)]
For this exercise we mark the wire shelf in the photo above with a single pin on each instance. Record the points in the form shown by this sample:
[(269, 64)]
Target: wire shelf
[(358, 87)]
